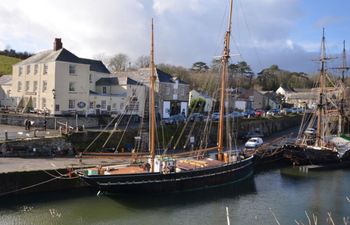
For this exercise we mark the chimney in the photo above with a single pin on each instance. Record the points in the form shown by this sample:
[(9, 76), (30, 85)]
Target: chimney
[(57, 44)]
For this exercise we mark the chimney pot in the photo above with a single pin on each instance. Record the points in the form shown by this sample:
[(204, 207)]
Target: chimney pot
[(57, 44)]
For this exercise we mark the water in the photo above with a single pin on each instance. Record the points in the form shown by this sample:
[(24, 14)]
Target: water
[(284, 193)]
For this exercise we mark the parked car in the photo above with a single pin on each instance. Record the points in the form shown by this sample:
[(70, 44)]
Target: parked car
[(259, 112), (235, 114), (248, 113), (215, 116), (286, 110), (273, 112), (254, 142), (195, 117), (174, 119)]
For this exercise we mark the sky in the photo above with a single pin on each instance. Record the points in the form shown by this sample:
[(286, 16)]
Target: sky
[(264, 32)]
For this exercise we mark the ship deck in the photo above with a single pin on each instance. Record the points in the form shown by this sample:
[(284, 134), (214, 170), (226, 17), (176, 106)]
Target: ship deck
[(184, 165), (191, 164)]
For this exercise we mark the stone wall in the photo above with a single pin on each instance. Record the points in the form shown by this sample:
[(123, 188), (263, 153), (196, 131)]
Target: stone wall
[(44, 147)]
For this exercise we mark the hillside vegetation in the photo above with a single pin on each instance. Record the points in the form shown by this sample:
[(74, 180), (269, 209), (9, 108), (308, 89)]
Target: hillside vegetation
[(6, 63)]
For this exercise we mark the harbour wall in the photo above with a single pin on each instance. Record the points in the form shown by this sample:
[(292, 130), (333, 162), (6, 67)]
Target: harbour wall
[(168, 135), (37, 147), (51, 122)]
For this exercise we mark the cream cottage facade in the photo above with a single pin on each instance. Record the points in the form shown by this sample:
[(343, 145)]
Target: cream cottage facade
[(60, 83)]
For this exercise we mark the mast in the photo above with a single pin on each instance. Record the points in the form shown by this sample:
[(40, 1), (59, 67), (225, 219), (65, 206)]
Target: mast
[(344, 68), (153, 115), (320, 111), (224, 62)]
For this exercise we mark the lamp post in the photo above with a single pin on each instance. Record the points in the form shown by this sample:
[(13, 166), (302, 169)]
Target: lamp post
[(54, 93)]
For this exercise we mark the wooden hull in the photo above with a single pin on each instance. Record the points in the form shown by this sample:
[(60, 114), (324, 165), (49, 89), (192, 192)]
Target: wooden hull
[(173, 182), (304, 155)]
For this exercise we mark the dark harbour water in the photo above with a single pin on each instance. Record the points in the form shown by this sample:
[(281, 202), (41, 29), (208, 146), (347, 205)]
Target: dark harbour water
[(283, 192)]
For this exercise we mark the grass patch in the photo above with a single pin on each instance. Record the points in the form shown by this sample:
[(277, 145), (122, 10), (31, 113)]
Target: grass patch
[(6, 63)]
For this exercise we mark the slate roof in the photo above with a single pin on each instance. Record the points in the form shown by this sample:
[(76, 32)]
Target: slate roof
[(5, 79), (107, 81), (167, 78), (143, 75), (63, 55)]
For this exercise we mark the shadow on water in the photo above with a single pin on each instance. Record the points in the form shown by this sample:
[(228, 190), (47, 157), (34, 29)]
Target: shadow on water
[(12, 202), (135, 201), (229, 191)]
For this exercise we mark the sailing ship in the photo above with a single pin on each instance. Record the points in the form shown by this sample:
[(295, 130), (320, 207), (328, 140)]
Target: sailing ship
[(314, 144), (164, 173)]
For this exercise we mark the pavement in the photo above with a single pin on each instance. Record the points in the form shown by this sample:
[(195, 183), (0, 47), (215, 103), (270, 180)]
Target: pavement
[(19, 132), (34, 164)]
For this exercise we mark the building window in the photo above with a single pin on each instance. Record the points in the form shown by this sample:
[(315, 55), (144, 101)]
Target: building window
[(71, 86), (28, 69), (19, 86), (43, 102), (114, 105), (104, 90), (90, 78), (91, 106), (57, 107), (44, 85), (121, 106), (72, 69), (103, 104), (71, 104), (27, 86), (167, 90), (35, 69), (182, 91), (46, 68), (35, 86), (20, 71)]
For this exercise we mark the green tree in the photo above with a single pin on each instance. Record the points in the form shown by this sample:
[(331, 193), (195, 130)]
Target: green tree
[(200, 67)]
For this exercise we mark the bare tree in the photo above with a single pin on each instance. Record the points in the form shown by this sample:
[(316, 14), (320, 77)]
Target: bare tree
[(142, 61), (102, 57), (118, 63)]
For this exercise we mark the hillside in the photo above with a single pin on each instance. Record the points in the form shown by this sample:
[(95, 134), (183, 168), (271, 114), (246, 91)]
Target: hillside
[(6, 63)]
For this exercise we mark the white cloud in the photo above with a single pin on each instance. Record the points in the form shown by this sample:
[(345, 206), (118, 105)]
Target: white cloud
[(186, 31)]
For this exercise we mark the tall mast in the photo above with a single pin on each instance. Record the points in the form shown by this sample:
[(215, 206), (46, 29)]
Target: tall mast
[(224, 62), (320, 111), (344, 68), (153, 115)]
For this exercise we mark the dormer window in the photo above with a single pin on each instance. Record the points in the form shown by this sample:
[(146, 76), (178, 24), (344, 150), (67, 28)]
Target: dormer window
[(72, 69)]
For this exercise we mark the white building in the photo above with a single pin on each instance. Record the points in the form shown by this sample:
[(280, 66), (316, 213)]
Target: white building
[(57, 81), (208, 100)]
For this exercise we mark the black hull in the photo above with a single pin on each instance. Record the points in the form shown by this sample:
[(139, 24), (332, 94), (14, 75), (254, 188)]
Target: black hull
[(269, 158), (173, 182), (304, 155)]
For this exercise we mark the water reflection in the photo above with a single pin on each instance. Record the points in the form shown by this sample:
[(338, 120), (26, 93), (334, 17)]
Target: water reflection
[(288, 194), (230, 191)]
